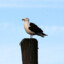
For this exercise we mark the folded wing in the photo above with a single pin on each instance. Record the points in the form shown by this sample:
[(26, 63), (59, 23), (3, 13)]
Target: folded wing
[(35, 28)]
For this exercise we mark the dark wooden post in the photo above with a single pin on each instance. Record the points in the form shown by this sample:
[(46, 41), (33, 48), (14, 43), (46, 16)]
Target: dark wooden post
[(29, 50)]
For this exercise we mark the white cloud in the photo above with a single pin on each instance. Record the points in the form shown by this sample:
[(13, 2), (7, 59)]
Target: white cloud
[(9, 29), (31, 6), (3, 26), (53, 30), (6, 26), (31, 0)]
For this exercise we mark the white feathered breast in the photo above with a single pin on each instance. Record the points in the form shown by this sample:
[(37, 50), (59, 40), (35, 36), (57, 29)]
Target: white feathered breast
[(26, 26)]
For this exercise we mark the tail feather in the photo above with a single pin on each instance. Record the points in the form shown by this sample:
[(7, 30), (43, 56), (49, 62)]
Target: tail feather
[(42, 34), (45, 34)]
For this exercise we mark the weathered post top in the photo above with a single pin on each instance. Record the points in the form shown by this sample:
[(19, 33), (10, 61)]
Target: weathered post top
[(29, 50)]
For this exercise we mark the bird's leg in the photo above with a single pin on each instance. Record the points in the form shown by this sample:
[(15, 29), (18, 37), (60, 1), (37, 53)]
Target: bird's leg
[(30, 36)]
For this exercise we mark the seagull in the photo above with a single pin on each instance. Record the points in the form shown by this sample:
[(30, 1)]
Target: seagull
[(32, 29)]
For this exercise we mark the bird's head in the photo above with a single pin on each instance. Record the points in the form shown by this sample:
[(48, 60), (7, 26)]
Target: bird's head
[(25, 19)]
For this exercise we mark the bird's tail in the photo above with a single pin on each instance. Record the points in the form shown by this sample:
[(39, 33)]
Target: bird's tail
[(42, 34)]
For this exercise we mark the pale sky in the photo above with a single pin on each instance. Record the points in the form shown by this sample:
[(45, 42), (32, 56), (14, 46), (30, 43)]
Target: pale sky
[(47, 14)]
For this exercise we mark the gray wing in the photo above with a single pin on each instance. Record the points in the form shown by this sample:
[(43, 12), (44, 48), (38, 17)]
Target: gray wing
[(35, 28)]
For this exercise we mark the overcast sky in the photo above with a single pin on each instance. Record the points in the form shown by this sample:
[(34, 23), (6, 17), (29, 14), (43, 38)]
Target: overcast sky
[(47, 14)]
